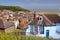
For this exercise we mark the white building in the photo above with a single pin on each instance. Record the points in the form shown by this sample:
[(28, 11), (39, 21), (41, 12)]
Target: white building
[(40, 24)]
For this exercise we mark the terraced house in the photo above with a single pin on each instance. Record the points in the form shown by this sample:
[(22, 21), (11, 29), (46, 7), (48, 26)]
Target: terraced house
[(6, 26)]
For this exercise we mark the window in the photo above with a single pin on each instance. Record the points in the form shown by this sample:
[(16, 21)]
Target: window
[(41, 29), (40, 18)]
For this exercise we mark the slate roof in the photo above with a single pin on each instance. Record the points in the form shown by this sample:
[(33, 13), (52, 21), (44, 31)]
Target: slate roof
[(4, 24), (54, 18)]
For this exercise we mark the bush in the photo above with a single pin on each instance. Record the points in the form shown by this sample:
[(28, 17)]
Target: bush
[(13, 36)]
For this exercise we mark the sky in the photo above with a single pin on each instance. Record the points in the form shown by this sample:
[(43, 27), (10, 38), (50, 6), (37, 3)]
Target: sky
[(33, 4)]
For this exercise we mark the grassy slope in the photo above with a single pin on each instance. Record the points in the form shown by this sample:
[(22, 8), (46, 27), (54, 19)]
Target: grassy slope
[(14, 36), (13, 8)]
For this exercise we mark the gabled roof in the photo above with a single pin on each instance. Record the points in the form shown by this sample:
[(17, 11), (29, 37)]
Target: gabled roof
[(53, 17), (5, 24), (34, 22), (48, 20)]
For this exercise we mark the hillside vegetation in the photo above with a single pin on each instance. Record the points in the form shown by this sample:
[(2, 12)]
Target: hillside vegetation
[(13, 8)]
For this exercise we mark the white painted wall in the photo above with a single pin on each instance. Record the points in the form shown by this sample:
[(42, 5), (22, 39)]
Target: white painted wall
[(52, 32), (28, 31), (16, 23)]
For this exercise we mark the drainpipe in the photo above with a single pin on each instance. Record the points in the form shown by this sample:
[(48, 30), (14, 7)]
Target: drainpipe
[(38, 30), (33, 30)]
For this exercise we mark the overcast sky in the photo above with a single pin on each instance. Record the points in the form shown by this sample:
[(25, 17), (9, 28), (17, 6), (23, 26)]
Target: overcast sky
[(33, 4)]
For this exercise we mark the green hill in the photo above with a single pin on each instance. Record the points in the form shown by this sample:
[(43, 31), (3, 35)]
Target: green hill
[(13, 8)]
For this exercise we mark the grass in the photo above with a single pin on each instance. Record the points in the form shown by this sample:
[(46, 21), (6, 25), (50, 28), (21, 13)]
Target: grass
[(13, 36)]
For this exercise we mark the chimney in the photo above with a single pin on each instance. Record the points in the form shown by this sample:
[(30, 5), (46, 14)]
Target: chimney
[(34, 14)]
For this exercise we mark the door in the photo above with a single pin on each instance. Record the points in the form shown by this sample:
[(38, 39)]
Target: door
[(41, 29)]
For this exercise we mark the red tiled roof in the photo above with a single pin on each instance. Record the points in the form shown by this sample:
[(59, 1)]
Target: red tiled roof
[(24, 23)]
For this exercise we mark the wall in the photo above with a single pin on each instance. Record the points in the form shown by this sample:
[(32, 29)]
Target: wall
[(52, 32), (10, 29), (2, 30), (58, 28)]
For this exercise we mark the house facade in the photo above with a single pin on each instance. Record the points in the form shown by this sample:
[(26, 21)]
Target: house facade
[(6, 26), (39, 25)]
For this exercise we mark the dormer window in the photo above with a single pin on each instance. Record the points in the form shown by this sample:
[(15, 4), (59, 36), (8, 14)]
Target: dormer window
[(40, 18)]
